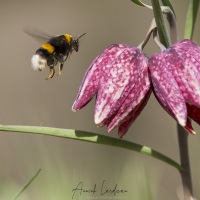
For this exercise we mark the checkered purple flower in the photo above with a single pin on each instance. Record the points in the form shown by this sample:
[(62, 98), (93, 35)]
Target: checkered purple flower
[(122, 79), (175, 74), (119, 78)]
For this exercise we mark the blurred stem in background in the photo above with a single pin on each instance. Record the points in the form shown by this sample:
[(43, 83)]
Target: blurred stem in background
[(24, 187), (191, 18), (185, 162)]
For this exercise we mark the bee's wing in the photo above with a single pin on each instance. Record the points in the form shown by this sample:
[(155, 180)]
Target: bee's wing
[(39, 36)]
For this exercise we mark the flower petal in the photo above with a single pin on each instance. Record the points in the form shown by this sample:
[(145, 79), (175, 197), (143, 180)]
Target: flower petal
[(123, 128), (194, 113), (136, 95), (90, 83), (186, 69), (189, 128), (119, 77), (166, 88)]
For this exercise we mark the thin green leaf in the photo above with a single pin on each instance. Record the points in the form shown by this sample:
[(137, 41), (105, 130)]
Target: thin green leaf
[(191, 18), (93, 138), (140, 3), (21, 190), (162, 30)]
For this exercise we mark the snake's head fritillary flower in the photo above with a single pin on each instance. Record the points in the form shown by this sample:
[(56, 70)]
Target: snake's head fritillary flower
[(119, 79), (175, 74)]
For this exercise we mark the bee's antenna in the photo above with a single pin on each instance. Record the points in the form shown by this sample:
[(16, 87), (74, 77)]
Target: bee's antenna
[(81, 36)]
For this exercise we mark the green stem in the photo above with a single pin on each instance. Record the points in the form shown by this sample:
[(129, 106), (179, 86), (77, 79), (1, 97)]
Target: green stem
[(172, 23), (162, 30), (167, 3)]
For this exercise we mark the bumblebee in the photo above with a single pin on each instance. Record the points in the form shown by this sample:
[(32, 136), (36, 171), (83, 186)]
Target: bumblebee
[(56, 50)]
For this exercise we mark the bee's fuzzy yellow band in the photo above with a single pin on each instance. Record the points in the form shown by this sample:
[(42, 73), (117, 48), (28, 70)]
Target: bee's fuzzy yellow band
[(48, 47)]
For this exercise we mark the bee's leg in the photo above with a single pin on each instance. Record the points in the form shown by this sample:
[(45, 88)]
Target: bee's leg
[(69, 55), (60, 69), (52, 72)]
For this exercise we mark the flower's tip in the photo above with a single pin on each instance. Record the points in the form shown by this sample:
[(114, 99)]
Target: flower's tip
[(98, 125), (121, 133), (108, 129), (76, 106), (191, 131), (189, 128), (74, 109), (182, 122), (98, 121)]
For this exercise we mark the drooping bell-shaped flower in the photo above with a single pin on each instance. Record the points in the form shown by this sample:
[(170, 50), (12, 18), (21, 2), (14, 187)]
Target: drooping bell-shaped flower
[(175, 74), (119, 78)]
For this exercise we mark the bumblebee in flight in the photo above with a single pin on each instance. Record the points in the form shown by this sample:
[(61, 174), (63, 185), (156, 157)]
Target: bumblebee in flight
[(56, 50)]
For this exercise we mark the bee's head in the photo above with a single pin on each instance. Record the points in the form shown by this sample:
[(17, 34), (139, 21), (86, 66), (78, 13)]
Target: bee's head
[(38, 62), (75, 43)]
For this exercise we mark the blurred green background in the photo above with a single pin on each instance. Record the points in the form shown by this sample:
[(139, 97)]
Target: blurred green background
[(27, 99)]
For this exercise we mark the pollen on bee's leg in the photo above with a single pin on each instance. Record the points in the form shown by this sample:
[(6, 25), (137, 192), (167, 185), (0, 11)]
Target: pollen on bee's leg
[(51, 75), (60, 69)]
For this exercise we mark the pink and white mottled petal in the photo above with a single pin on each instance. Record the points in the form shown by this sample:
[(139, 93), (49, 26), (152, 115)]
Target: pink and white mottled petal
[(186, 70), (117, 81), (88, 87), (123, 128), (185, 74), (136, 95), (194, 113), (185, 45), (90, 83), (166, 88), (190, 50)]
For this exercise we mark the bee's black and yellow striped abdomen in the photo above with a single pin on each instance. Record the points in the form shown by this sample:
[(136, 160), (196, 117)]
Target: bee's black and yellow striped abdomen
[(58, 44), (48, 47)]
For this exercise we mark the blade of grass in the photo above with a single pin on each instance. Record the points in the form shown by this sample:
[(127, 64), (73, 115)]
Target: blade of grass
[(93, 138), (140, 3), (21, 190), (191, 18)]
